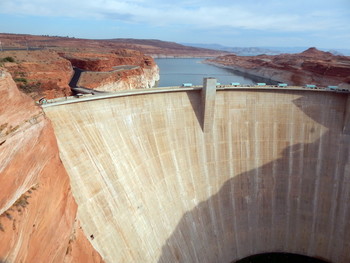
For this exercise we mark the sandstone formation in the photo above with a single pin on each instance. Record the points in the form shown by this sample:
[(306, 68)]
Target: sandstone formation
[(137, 78), (39, 73), (94, 61), (43, 73), (272, 175), (118, 70), (309, 67), (37, 210)]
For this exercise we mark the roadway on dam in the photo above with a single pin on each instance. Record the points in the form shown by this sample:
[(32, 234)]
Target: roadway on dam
[(271, 175)]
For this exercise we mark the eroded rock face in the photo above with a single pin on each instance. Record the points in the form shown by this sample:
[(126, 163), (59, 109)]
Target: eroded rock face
[(39, 73), (92, 61), (119, 70), (136, 78), (309, 67), (45, 73), (38, 212)]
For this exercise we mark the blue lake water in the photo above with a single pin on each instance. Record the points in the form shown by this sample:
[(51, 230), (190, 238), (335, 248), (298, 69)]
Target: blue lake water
[(175, 71)]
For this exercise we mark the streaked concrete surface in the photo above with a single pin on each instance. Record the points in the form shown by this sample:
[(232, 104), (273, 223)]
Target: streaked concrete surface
[(272, 175)]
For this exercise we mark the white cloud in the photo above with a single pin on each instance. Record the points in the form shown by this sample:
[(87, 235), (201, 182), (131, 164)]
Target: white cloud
[(255, 15)]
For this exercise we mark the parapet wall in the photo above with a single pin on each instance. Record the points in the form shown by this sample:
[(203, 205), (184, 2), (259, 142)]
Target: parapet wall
[(271, 176)]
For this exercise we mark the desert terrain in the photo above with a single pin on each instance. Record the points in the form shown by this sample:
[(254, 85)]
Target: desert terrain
[(47, 73), (309, 67), (151, 47)]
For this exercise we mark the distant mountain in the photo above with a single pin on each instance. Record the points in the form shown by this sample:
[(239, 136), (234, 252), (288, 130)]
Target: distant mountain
[(242, 51), (294, 50), (340, 52), (313, 52), (254, 51), (288, 50)]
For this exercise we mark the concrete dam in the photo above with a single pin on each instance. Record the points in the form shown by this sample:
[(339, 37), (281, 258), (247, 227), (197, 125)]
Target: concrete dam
[(210, 175)]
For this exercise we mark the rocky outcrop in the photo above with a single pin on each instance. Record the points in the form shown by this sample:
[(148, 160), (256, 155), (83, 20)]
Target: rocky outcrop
[(38, 212), (118, 70), (39, 73), (131, 80), (47, 73), (102, 62), (309, 67)]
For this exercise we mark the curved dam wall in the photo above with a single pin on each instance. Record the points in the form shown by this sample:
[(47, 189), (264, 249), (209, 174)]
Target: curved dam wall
[(272, 175)]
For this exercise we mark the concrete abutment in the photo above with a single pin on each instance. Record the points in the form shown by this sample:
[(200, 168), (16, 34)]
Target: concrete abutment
[(346, 128), (208, 94)]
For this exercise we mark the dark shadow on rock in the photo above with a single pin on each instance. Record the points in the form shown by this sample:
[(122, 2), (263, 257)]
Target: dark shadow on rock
[(287, 205)]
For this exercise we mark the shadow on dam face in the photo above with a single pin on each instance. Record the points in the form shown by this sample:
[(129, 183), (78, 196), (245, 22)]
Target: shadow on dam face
[(272, 176), (297, 203)]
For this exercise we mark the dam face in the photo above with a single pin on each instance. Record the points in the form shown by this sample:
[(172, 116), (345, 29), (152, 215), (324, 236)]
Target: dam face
[(272, 175)]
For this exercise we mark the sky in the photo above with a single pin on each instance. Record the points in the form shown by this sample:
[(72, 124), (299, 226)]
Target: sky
[(234, 23)]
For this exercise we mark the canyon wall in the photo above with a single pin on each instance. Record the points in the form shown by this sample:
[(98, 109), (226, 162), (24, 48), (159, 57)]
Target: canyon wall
[(44, 73), (37, 210), (272, 175), (121, 69), (140, 78), (39, 73), (309, 67)]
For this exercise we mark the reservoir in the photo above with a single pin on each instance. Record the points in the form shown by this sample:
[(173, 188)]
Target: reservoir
[(175, 71)]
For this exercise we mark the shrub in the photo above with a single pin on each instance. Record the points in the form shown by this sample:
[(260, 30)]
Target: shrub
[(8, 215), (24, 80), (3, 126), (22, 201), (8, 59), (30, 87)]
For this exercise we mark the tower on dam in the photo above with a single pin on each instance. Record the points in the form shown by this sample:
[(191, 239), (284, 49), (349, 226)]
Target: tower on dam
[(187, 175)]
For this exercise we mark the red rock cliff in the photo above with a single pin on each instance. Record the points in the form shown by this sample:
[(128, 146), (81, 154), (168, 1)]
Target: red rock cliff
[(38, 212), (39, 73), (118, 70), (309, 67)]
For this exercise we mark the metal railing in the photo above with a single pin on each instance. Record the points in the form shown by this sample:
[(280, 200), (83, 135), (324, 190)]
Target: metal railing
[(83, 97)]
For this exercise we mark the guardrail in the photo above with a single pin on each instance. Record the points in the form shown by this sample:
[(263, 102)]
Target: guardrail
[(61, 99), (285, 86)]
